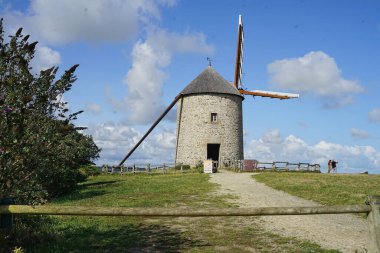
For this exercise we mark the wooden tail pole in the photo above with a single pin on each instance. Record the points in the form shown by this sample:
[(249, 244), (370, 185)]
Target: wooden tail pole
[(151, 128), (239, 54)]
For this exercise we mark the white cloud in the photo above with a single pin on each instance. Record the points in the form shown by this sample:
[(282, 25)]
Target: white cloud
[(293, 149), (94, 108), (374, 115), (333, 103), (273, 136), (116, 140), (316, 73), (67, 21), (146, 77), (45, 58), (169, 3), (98, 21), (359, 133)]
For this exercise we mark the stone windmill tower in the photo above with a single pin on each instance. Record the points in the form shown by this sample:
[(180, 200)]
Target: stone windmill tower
[(209, 116), (209, 120)]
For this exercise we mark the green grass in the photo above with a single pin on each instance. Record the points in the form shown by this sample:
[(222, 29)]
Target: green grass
[(327, 189), (241, 234), (144, 190), (123, 234)]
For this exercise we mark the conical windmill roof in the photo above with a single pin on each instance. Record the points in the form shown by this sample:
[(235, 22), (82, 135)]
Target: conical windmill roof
[(210, 81)]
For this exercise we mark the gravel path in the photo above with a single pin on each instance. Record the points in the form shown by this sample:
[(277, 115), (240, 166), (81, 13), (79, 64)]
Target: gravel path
[(345, 232)]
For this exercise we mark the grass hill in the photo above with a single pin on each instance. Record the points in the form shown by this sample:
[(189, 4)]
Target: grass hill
[(233, 234)]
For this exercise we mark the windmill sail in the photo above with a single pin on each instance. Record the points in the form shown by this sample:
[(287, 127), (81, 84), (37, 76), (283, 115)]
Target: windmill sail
[(239, 71), (270, 94), (239, 55)]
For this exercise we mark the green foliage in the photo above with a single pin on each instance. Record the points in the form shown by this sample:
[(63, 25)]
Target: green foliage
[(41, 150), (89, 170), (184, 167), (199, 167)]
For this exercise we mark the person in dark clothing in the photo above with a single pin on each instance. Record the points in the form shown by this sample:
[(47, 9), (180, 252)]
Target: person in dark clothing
[(329, 167)]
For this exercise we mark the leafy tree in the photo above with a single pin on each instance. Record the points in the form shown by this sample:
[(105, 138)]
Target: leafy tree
[(41, 150)]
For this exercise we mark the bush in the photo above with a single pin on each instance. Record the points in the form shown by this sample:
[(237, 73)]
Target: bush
[(199, 167), (184, 167), (28, 230), (41, 150), (89, 170)]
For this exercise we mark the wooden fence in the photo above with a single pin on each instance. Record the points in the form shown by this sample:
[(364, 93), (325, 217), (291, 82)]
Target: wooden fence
[(288, 166), (254, 165), (237, 165), (372, 208), (144, 168)]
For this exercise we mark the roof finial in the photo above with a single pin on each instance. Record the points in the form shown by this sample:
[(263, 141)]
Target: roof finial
[(209, 61)]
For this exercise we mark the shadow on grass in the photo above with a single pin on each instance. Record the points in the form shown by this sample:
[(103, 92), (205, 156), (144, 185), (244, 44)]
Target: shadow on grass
[(85, 191), (96, 184), (127, 238), (79, 196)]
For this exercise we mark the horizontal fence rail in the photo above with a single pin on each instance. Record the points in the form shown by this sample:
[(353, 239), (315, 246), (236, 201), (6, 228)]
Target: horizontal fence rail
[(180, 212), (372, 209), (255, 165), (237, 165), (144, 168)]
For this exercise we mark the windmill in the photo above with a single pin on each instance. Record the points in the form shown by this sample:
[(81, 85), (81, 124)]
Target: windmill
[(209, 115)]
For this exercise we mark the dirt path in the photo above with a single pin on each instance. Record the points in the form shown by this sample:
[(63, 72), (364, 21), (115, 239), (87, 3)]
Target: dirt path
[(344, 232)]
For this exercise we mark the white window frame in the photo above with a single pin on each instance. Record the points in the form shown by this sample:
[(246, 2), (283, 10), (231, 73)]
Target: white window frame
[(214, 117)]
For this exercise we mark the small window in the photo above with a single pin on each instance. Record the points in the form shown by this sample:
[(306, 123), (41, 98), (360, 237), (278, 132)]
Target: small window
[(214, 117)]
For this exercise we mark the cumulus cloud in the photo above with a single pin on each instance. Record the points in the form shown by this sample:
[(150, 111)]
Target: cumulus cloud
[(169, 3), (316, 73), (116, 140), (293, 149), (99, 21), (45, 58), (146, 77), (68, 21), (340, 102), (359, 133), (94, 108), (374, 115), (273, 136)]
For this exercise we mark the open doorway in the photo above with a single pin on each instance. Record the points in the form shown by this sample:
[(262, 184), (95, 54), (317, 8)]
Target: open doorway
[(213, 152)]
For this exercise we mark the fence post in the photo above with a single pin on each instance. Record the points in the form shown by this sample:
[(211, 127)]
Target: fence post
[(148, 167), (374, 224), (181, 167), (134, 168), (6, 220)]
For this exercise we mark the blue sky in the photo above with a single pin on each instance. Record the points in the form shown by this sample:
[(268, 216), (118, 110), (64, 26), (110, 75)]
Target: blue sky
[(135, 56)]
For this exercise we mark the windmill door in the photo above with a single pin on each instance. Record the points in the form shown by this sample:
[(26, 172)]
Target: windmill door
[(213, 152)]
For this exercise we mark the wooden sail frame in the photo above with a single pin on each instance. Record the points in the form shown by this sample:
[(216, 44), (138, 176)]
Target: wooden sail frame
[(239, 70)]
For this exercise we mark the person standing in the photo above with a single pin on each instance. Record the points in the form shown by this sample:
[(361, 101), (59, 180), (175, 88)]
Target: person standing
[(329, 166), (333, 166)]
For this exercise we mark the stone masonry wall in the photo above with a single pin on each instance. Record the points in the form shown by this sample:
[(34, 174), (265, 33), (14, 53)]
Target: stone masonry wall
[(195, 129)]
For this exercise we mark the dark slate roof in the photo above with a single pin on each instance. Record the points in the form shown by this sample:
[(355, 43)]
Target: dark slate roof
[(209, 81)]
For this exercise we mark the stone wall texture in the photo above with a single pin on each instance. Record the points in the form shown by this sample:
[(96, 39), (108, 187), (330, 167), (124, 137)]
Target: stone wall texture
[(195, 129)]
